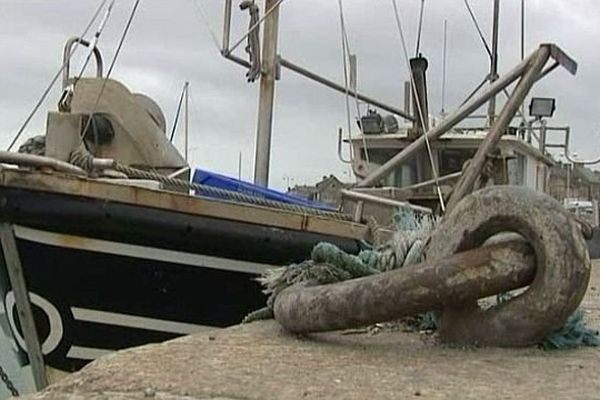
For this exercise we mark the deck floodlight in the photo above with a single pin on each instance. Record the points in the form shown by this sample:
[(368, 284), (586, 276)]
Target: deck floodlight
[(542, 107), (372, 123), (390, 124)]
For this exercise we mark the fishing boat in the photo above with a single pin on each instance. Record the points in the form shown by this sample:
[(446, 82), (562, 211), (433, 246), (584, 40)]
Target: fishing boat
[(424, 162), (115, 247)]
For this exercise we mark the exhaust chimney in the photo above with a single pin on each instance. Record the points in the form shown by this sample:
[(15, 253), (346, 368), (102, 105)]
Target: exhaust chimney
[(418, 68)]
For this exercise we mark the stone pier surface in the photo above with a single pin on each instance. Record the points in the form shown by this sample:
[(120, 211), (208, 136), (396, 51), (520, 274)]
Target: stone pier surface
[(260, 361)]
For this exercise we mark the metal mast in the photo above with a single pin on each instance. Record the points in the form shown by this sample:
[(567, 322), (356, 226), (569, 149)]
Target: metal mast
[(494, 61), (266, 96), (523, 48), (187, 108), (444, 66)]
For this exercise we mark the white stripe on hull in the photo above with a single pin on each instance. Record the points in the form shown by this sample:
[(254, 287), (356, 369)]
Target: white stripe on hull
[(87, 353), (133, 321), (137, 251)]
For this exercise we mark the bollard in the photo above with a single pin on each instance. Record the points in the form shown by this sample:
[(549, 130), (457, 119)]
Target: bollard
[(552, 260), (414, 289), (562, 265)]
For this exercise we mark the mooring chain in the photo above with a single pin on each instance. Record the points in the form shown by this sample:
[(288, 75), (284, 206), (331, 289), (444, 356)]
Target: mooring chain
[(8, 383)]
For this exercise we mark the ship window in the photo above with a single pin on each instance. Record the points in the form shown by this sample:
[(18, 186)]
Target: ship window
[(516, 170), (452, 160), (402, 176), (379, 156)]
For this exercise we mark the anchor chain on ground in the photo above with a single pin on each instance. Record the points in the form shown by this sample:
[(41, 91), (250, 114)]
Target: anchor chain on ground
[(8, 383)]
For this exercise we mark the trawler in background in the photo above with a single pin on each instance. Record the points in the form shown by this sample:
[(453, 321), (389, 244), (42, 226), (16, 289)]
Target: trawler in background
[(522, 157)]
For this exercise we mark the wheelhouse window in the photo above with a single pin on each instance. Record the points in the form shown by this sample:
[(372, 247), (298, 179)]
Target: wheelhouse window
[(516, 170), (402, 176), (452, 160)]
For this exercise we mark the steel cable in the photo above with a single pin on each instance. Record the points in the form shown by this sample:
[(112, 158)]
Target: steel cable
[(419, 29), (227, 194), (345, 47), (110, 68), (55, 78), (419, 107)]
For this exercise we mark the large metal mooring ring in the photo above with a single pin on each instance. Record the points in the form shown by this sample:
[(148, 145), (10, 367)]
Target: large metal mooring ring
[(562, 266)]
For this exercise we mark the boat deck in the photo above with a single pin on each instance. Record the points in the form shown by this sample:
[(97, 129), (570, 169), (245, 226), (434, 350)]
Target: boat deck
[(260, 361), (112, 191)]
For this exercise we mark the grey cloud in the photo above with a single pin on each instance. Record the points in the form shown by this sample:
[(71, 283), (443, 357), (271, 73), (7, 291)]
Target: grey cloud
[(169, 44)]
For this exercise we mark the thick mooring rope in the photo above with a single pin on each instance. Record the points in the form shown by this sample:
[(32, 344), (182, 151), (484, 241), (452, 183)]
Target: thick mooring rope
[(227, 194), (35, 145), (329, 264)]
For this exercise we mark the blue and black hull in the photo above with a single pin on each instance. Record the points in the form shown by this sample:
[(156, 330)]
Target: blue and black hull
[(104, 275)]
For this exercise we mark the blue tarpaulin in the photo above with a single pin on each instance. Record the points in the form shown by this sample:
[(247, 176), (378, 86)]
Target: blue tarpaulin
[(235, 185)]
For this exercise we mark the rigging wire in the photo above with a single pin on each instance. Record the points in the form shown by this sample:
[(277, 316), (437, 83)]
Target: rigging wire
[(195, 112), (94, 42), (253, 27), (178, 113), (523, 51), (444, 66), (344, 40), (347, 57), (419, 107), (360, 128), (420, 28), (520, 111), (110, 68), (204, 16), (522, 29), (479, 86), (474, 19), (64, 103), (55, 78)]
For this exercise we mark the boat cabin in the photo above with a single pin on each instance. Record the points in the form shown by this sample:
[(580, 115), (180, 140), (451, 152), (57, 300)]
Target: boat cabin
[(518, 160)]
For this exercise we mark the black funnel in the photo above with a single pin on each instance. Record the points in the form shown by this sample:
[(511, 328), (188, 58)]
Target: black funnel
[(418, 66)]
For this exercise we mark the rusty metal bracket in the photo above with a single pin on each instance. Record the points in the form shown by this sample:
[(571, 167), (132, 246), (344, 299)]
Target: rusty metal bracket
[(561, 258), (562, 58), (458, 272)]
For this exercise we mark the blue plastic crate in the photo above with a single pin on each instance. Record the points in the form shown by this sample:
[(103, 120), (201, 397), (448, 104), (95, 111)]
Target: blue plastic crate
[(235, 185)]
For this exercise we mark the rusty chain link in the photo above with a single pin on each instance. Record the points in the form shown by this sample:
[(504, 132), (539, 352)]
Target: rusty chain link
[(8, 383)]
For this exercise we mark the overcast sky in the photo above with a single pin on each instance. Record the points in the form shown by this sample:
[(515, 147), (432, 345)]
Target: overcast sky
[(169, 44)]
